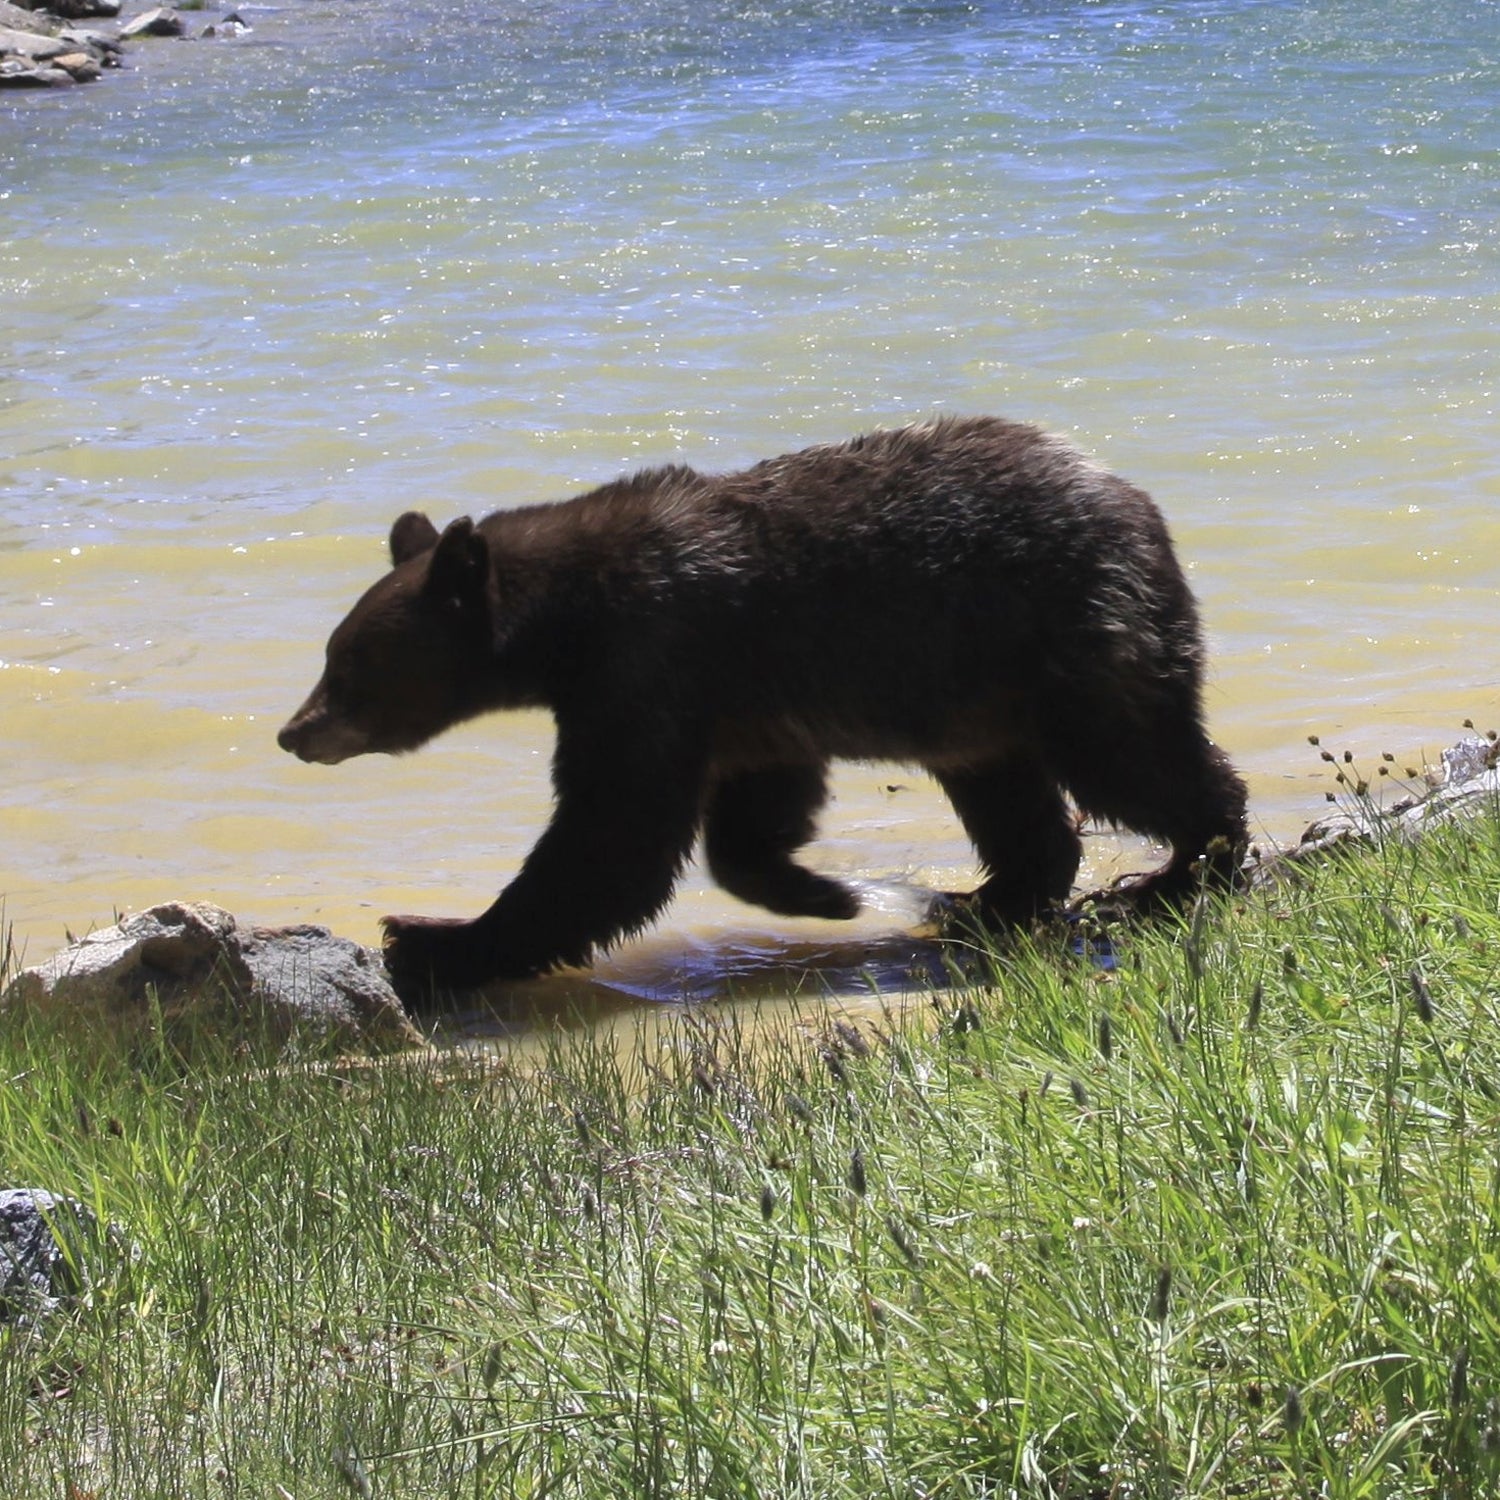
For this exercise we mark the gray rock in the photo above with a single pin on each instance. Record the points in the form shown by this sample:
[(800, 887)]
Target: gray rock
[(192, 962), (100, 44), (19, 73), (79, 66), (17, 18), (330, 978), (162, 21), (232, 25), (43, 1243), (32, 44)]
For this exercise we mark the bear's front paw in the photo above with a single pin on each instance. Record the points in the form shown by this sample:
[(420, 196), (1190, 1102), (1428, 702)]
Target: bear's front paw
[(425, 955)]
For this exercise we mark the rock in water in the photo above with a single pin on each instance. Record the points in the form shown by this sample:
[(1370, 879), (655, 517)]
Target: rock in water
[(163, 21)]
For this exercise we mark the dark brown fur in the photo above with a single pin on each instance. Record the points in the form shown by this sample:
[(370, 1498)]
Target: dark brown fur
[(969, 595)]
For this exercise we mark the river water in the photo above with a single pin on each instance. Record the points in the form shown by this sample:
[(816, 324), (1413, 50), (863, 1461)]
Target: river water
[(258, 295)]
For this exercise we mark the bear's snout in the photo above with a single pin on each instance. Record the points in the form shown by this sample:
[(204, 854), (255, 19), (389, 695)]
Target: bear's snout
[(320, 737), (295, 737), (305, 734)]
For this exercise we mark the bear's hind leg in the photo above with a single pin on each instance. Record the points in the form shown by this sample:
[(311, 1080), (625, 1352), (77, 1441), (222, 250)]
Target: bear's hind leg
[(754, 823), (1173, 784), (1023, 830)]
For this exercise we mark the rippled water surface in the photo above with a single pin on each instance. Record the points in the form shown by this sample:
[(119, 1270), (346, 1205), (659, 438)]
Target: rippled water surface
[(261, 294)]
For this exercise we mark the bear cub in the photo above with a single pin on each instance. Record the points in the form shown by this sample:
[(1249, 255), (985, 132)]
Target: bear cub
[(968, 595)]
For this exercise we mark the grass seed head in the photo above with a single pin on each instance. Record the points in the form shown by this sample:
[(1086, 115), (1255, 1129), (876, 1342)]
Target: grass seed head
[(1292, 1412), (1161, 1298), (1458, 1380), (1422, 997), (902, 1239), (858, 1182), (853, 1038)]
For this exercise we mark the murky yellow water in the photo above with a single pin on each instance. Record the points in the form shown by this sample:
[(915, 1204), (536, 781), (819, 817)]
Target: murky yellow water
[(1244, 254)]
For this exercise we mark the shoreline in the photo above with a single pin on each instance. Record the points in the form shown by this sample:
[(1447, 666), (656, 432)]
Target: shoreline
[(168, 940), (75, 41)]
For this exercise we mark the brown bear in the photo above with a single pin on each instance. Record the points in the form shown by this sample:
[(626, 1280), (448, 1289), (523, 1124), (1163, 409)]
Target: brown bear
[(969, 595)]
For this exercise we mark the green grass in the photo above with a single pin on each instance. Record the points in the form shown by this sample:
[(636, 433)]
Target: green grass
[(1221, 1222)]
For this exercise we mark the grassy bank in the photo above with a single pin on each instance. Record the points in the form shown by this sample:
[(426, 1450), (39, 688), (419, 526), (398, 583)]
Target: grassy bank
[(1222, 1221)]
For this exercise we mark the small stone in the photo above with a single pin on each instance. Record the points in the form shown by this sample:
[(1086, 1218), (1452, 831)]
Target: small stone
[(82, 67), (15, 74), (230, 26), (42, 1236)]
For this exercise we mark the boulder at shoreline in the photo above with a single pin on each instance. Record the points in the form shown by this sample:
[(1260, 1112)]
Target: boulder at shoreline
[(191, 966)]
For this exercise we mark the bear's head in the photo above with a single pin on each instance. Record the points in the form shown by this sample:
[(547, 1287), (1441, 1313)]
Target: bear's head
[(406, 662)]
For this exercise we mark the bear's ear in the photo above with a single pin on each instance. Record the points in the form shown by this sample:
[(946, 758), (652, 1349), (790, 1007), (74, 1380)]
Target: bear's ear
[(460, 567), (412, 535)]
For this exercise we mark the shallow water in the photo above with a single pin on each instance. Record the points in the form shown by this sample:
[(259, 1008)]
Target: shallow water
[(261, 295)]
